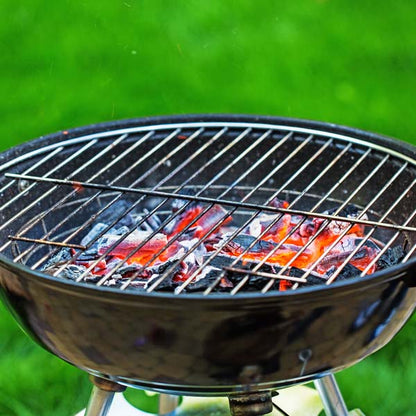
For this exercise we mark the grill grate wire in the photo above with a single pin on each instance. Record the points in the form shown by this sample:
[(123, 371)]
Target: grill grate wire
[(157, 191)]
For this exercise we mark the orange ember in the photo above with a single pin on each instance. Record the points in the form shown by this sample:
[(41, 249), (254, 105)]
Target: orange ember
[(286, 241)]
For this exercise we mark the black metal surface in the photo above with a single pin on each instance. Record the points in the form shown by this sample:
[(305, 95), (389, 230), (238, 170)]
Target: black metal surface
[(196, 344), (211, 344)]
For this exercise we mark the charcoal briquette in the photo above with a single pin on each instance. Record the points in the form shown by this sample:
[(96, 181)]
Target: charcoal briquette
[(95, 231), (62, 256), (117, 211), (348, 271), (391, 257)]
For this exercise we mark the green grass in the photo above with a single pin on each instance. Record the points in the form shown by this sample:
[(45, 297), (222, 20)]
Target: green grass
[(32, 381), (69, 63), (384, 383)]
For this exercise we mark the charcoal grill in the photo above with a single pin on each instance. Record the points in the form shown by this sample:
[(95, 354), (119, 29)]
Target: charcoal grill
[(243, 342)]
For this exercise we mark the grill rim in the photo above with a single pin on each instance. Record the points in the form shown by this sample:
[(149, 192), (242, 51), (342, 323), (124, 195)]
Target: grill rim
[(49, 142), (12, 154)]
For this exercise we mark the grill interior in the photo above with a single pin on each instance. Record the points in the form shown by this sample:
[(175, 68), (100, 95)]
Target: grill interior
[(56, 193)]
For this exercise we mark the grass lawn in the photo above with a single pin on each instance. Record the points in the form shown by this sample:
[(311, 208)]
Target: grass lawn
[(67, 63)]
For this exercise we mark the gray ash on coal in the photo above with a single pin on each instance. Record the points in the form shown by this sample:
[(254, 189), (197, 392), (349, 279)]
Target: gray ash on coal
[(391, 257), (198, 249), (348, 272)]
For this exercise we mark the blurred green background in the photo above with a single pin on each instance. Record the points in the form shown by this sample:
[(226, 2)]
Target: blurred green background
[(70, 63)]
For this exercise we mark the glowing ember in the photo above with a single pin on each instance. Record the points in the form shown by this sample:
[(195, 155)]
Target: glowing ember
[(196, 247)]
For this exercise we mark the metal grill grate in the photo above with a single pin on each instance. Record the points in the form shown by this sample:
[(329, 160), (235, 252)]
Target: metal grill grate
[(241, 166)]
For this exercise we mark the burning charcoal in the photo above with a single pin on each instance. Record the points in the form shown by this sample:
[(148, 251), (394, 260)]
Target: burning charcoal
[(144, 275), (278, 203), (130, 242), (119, 230), (93, 233), (348, 271), (92, 252), (112, 263), (222, 261), (258, 282), (88, 255), (201, 226), (177, 224), (312, 279), (189, 234), (198, 253), (137, 272), (99, 267), (168, 284), (254, 283), (242, 242), (181, 258), (177, 204), (207, 278), (179, 274), (143, 225), (72, 272), (295, 272), (118, 211), (262, 248), (62, 256), (208, 221), (115, 282), (161, 268), (391, 257), (349, 211), (276, 232), (119, 279), (344, 249), (369, 243), (330, 233), (152, 223), (134, 271)]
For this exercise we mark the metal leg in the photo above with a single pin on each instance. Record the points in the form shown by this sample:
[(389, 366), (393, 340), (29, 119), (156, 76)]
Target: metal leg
[(101, 396), (167, 403), (99, 403), (331, 397)]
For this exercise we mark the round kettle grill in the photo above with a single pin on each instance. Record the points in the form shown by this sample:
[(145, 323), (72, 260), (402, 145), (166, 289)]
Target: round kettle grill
[(200, 338)]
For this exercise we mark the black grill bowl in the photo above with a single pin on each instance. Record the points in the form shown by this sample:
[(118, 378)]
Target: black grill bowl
[(214, 344)]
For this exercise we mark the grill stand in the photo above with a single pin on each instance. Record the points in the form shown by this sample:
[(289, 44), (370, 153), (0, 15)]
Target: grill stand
[(167, 403), (254, 404), (331, 397), (102, 396)]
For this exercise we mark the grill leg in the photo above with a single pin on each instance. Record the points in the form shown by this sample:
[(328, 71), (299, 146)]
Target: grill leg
[(101, 396), (331, 397), (167, 403)]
